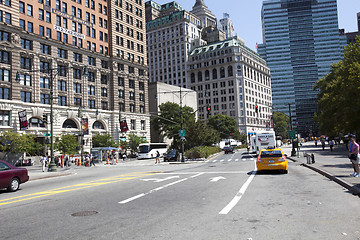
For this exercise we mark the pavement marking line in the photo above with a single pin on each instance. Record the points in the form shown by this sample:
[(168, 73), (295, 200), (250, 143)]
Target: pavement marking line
[(158, 189), (239, 195), (230, 160), (215, 161), (236, 160), (75, 187), (222, 160)]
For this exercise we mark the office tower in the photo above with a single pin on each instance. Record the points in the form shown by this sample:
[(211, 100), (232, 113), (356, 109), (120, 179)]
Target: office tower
[(91, 53), (170, 36), (206, 17), (226, 25), (300, 42), (233, 80)]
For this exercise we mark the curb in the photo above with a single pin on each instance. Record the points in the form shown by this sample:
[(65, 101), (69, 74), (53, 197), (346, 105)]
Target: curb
[(353, 189)]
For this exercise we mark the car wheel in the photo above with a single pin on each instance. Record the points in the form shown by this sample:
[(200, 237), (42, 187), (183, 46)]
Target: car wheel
[(13, 185), (285, 171)]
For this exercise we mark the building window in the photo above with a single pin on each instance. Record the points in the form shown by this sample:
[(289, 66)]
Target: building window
[(132, 108), (91, 76), (4, 57), (121, 81), (4, 36), (45, 98), (77, 87), (121, 94), (62, 53), (29, 10), (132, 84), (142, 124), (192, 77), (142, 109), (25, 79), (26, 44), (36, 122), (4, 75), (141, 86), (104, 105), (141, 97), (91, 104), (103, 79), (45, 48), (25, 96), (222, 72), (44, 82), (230, 71), (104, 92), (77, 101), (77, 73), (61, 85), (62, 70), (4, 118), (91, 90), (133, 124), (25, 63), (4, 93), (21, 7), (62, 100), (77, 57), (214, 73), (44, 67), (131, 95), (91, 61), (200, 76)]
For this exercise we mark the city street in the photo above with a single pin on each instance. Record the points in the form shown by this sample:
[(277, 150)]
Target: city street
[(222, 198)]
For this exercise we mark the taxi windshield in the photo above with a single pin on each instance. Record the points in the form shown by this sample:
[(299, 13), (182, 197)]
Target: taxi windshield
[(274, 153)]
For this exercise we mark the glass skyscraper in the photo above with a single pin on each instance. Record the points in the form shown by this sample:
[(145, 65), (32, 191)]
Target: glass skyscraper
[(300, 42)]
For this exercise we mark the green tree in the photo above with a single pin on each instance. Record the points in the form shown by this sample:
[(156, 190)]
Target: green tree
[(281, 124), (199, 134), (66, 144), (168, 121), (19, 143), (338, 97), (135, 141), (103, 140), (225, 125)]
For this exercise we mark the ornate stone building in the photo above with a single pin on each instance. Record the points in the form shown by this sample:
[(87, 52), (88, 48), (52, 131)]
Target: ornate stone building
[(93, 54)]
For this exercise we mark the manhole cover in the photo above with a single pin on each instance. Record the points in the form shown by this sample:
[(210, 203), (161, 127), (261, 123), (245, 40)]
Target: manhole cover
[(84, 213)]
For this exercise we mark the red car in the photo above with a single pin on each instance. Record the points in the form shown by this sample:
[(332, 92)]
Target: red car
[(11, 177)]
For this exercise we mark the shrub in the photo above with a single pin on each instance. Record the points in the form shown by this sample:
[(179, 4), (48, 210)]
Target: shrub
[(201, 152)]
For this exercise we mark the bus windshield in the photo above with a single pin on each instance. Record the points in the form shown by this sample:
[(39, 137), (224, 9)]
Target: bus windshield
[(144, 149)]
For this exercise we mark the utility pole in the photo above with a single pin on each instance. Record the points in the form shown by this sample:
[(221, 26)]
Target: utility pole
[(293, 151), (181, 126), (52, 165)]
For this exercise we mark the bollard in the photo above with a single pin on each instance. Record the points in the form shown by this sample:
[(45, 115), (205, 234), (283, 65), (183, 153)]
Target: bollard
[(312, 158), (308, 159)]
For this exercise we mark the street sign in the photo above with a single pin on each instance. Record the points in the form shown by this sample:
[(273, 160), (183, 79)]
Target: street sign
[(182, 133), (47, 134), (292, 135)]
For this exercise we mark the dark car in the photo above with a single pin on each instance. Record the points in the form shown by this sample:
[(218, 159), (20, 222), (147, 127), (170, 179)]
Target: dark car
[(172, 155), (228, 150), (11, 177)]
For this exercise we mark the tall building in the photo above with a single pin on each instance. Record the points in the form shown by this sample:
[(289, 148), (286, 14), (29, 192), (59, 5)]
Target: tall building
[(93, 55), (358, 21), (300, 42), (207, 18), (169, 38), (226, 25), (233, 80)]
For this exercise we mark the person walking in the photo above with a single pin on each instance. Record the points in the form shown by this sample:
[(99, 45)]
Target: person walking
[(354, 155), (315, 142), (43, 161), (157, 159), (323, 144), (331, 144), (92, 162)]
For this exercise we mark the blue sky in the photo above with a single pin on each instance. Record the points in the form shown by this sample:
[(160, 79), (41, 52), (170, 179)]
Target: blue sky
[(246, 15)]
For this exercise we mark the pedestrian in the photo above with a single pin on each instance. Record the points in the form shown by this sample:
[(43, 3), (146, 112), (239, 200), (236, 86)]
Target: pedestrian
[(66, 161), (331, 144), (315, 142), (87, 161), (123, 156), (322, 144), (92, 162), (354, 155), (157, 159), (43, 161)]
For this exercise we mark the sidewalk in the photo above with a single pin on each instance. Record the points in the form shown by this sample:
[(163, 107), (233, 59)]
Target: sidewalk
[(334, 165)]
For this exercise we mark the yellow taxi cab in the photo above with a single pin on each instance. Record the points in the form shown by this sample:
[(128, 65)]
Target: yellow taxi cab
[(272, 159)]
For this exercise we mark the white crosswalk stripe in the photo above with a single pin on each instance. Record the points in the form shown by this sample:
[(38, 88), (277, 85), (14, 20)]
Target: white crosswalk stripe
[(229, 160), (222, 160), (236, 160)]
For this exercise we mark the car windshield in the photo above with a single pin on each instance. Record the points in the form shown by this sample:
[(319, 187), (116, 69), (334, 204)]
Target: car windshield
[(274, 153), (172, 152)]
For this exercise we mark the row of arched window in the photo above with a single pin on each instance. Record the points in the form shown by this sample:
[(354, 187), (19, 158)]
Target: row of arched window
[(214, 74)]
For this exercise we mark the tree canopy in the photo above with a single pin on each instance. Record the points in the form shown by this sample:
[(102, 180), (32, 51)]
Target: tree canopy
[(19, 143), (66, 144), (226, 126), (338, 97), (103, 140), (281, 124)]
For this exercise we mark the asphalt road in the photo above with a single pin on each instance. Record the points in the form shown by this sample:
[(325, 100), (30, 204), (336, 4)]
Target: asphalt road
[(222, 198)]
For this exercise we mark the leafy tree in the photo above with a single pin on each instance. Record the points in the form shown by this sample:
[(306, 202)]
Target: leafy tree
[(168, 121), (199, 134), (66, 144), (103, 140), (338, 97), (225, 125), (135, 141), (19, 143), (281, 124)]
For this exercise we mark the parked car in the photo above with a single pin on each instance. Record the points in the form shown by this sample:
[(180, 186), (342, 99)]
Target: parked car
[(228, 150), (172, 155), (272, 159), (11, 177)]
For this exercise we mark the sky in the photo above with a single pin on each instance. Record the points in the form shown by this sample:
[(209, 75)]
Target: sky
[(246, 15)]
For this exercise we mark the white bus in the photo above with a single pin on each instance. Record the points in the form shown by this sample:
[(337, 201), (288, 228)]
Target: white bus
[(148, 150), (264, 139)]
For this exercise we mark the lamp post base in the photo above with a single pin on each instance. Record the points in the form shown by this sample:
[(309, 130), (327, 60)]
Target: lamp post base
[(52, 166)]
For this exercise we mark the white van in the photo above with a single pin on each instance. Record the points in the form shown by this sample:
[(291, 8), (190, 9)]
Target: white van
[(264, 139), (148, 150)]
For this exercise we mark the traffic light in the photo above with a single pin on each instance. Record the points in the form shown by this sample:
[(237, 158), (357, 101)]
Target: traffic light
[(208, 111), (256, 108), (44, 119)]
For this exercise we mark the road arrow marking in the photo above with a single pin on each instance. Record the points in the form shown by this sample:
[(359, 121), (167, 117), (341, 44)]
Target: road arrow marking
[(215, 179), (157, 180)]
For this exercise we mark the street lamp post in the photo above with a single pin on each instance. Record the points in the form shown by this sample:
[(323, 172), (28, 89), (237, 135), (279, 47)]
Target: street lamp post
[(293, 151)]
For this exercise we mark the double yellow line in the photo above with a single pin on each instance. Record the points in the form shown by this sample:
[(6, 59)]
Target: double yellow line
[(75, 187)]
